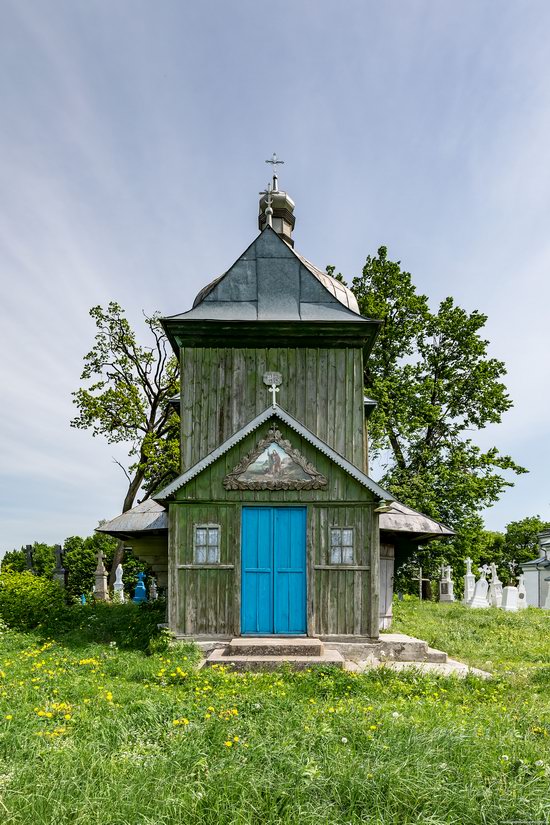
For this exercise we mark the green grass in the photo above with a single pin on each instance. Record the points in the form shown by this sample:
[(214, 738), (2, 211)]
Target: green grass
[(146, 738)]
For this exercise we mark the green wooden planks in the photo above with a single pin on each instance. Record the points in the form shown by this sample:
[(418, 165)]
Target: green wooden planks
[(222, 389)]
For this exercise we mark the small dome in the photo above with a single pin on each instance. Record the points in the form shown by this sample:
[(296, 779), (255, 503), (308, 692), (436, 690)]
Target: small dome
[(276, 209)]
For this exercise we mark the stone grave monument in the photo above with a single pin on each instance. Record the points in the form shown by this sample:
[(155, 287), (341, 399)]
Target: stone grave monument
[(510, 599), (101, 591), (446, 585), (469, 583), (59, 574), (480, 593), (118, 586), (522, 593), (495, 588)]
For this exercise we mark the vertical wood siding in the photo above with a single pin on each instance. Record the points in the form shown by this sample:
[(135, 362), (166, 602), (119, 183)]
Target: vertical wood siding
[(205, 600), (202, 600), (222, 390)]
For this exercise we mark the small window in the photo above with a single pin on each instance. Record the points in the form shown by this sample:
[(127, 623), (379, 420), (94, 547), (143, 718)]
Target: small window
[(341, 545), (207, 543)]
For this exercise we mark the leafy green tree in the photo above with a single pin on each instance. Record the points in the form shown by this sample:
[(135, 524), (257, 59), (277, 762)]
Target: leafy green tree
[(521, 539), (43, 560), (80, 561), (435, 385), (126, 400), (13, 561)]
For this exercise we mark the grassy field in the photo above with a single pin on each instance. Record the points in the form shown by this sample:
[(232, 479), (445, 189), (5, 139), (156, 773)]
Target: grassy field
[(92, 734)]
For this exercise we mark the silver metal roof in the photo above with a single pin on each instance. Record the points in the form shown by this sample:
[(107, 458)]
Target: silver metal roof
[(153, 516), (145, 517), (270, 281), (402, 519)]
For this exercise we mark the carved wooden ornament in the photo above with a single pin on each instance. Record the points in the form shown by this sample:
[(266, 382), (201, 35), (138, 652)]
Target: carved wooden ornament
[(274, 464)]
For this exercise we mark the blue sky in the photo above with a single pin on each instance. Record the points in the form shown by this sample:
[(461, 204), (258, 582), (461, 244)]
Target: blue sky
[(132, 145)]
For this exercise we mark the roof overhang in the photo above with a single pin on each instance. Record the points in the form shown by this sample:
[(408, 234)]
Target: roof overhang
[(204, 332)]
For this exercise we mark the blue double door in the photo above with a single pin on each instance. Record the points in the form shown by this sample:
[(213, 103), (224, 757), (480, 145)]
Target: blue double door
[(273, 597)]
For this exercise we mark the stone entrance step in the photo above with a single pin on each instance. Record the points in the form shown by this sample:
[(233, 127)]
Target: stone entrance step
[(248, 662), (436, 656), (274, 646)]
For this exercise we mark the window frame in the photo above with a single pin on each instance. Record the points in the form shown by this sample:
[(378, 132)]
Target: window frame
[(208, 545), (340, 547)]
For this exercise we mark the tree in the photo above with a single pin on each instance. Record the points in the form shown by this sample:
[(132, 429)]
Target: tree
[(43, 560), (127, 401), (80, 561), (435, 384), (521, 541)]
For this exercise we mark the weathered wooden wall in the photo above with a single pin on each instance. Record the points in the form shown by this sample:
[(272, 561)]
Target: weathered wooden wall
[(205, 600), (342, 600), (339, 595), (222, 390), (387, 566), (208, 485), (203, 597)]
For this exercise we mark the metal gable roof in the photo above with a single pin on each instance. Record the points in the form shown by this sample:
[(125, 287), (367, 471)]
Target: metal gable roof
[(270, 281), (274, 412)]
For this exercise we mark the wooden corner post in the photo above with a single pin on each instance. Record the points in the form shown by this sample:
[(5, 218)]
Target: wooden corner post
[(373, 618)]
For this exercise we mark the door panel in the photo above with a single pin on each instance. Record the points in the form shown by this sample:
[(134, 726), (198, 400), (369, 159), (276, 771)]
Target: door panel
[(289, 570), (257, 570), (273, 570)]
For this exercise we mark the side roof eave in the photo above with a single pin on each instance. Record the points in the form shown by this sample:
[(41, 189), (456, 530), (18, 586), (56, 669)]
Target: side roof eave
[(151, 518), (273, 412), (403, 519)]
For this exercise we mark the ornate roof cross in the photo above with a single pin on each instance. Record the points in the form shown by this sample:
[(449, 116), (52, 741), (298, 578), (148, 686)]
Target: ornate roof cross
[(274, 162), (269, 201)]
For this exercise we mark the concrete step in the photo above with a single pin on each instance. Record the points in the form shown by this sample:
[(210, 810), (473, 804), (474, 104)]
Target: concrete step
[(259, 663), (270, 646), (401, 648), (436, 655)]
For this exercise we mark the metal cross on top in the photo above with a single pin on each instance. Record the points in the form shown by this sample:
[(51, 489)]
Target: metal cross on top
[(269, 201), (274, 160), (273, 389), (273, 381)]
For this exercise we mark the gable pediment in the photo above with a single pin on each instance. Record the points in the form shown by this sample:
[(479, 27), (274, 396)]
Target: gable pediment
[(274, 415), (274, 464)]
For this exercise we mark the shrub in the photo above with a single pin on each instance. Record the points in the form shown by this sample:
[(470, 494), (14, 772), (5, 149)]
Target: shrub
[(28, 601), (131, 626)]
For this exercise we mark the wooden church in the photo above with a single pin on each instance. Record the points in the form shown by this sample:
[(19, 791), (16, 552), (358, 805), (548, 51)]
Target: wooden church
[(274, 526)]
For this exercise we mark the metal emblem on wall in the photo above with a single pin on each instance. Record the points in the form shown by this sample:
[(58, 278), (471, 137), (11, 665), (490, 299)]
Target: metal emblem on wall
[(271, 379), (274, 465)]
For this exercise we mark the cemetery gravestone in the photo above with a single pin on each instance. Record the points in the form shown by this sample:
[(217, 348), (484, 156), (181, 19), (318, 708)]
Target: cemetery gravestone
[(510, 599), (495, 589), (141, 594), (446, 585), (101, 590), (469, 583), (59, 573), (480, 593), (118, 586), (522, 593)]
